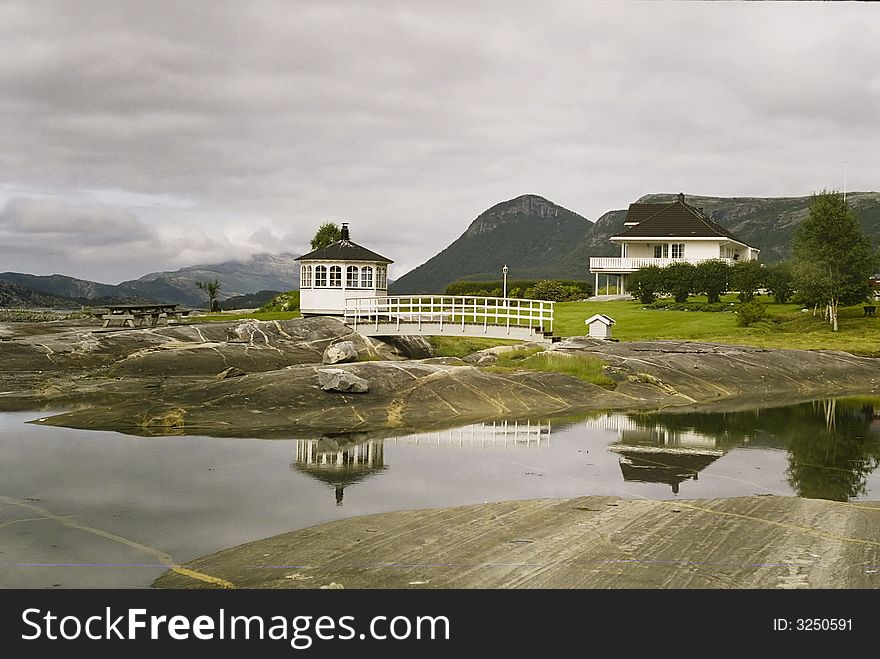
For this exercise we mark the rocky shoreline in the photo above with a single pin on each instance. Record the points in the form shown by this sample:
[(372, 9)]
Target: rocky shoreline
[(264, 379)]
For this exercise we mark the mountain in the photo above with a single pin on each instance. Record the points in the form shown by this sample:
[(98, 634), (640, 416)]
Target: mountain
[(539, 239), (529, 234), (277, 272), (16, 296), (261, 272)]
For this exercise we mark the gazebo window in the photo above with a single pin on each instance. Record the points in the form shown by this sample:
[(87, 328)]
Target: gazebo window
[(351, 276), (367, 277), (381, 278), (335, 276), (320, 275), (306, 277)]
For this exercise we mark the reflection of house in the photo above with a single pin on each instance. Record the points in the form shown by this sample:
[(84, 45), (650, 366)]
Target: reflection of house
[(338, 271), (666, 233), (338, 462), (652, 453), (495, 434)]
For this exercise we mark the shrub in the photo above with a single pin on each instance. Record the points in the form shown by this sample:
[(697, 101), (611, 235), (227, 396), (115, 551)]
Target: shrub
[(288, 301), (749, 313), (645, 283)]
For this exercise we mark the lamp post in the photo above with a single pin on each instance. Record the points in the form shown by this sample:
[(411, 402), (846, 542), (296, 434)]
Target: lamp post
[(504, 272)]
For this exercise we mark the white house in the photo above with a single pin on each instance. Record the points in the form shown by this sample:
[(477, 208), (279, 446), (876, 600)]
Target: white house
[(341, 270), (661, 234), (600, 326)]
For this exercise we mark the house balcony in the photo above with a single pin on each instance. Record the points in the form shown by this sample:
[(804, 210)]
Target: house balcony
[(623, 265)]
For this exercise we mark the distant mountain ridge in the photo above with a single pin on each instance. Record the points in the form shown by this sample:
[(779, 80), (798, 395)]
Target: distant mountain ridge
[(277, 272)]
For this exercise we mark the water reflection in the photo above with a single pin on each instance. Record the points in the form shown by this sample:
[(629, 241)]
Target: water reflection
[(832, 445), (345, 459), (340, 460)]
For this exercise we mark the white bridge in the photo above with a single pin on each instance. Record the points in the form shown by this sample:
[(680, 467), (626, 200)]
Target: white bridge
[(453, 315)]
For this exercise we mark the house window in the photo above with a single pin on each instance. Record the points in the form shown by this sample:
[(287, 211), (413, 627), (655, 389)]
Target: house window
[(678, 250), (381, 278), (320, 275), (335, 276), (366, 277), (306, 277), (351, 276), (661, 251)]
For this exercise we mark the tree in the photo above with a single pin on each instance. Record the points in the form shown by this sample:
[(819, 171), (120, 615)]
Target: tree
[(212, 288), (779, 281), (712, 278), (833, 257), (547, 289), (679, 280), (645, 283), (746, 277), (327, 234)]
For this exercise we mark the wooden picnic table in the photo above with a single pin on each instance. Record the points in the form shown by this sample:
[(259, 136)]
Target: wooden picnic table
[(136, 314)]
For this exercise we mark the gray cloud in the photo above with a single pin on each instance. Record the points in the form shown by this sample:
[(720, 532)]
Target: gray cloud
[(234, 127)]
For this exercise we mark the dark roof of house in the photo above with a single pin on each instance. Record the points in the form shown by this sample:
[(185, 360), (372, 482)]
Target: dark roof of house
[(677, 219), (343, 250)]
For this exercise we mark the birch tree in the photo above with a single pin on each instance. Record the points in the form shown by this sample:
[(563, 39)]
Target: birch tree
[(833, 257)]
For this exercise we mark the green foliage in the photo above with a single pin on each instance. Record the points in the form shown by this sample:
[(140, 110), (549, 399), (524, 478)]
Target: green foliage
[(712, 278), (779, 281), (645, 283), (750, 313), (284, 302), (327, 234), (581, 366), (564, 289), (679, 280), (833, 257), (746, 277), (672, 305)]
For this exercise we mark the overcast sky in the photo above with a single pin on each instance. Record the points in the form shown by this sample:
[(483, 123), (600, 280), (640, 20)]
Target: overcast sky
[(143, 136)]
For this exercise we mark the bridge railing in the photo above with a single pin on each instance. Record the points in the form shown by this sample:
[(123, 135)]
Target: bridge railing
[(450, 310)]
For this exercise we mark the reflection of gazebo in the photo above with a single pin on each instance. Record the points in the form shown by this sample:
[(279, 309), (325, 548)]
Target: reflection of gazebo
[(645, 464), (339, 461)]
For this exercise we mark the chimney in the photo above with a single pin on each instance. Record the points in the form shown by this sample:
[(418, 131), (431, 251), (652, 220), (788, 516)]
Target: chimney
[(345, 231), (681, 197)]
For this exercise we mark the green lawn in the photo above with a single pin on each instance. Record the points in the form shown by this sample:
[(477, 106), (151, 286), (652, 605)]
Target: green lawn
[(786, 327), (256, 315)]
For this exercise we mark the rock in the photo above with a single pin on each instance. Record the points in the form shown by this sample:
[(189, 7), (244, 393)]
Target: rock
[(230, 372), (405, 347), (336, 379), (340, 353)]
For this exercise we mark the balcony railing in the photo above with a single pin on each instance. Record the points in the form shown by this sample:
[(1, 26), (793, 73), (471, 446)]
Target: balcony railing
[(624, 264)]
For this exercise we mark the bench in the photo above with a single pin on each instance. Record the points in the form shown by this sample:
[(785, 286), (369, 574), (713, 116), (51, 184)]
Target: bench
[(869, 310), (135, 315)]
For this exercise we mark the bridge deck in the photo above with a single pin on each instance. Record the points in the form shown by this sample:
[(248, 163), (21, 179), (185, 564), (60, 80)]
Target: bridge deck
[(500, 318)]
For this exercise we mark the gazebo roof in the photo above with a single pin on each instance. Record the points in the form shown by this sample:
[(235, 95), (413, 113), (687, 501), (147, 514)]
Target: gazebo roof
[(344, 250)]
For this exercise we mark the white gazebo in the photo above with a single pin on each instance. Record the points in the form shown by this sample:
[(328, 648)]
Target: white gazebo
[(338, 271)]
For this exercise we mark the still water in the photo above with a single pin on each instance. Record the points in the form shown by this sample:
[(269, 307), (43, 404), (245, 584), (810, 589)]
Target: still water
[(104, 510)]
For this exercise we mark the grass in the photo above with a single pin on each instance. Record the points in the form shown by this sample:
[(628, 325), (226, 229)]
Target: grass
[(256, 315), (786, 326), (581, 366), (462, 346)]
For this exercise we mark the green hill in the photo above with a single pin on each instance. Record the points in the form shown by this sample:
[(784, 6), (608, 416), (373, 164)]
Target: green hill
[(529, 234)]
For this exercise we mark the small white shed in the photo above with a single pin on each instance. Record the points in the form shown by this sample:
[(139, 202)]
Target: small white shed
[(600, 326)]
